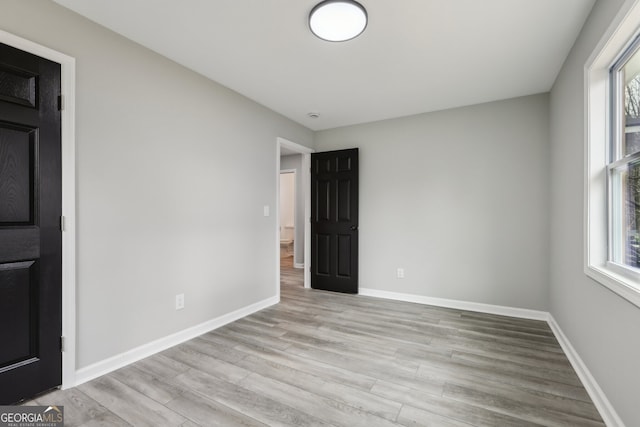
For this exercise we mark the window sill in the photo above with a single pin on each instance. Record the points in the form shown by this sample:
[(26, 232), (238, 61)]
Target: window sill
[(617, 279)]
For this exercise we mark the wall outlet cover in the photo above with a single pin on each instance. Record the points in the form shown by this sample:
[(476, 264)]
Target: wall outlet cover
[(179, 301)]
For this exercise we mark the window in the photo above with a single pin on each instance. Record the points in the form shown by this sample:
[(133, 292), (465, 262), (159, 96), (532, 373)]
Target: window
[(612, 170), (623, 169)]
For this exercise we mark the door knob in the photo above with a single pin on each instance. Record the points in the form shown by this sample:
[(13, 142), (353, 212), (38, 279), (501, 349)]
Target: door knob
[(354, 227)]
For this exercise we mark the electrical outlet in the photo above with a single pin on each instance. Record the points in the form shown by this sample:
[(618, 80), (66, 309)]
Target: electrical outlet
[(179, 301), (400, 273)]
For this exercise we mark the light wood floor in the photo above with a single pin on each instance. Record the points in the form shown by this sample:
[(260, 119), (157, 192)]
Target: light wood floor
[(319, 358)]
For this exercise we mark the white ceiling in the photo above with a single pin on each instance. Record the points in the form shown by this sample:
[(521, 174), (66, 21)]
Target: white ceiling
[(415, 55)]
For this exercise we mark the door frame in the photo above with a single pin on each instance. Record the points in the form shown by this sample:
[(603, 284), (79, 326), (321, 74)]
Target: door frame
[(306, 188), (68, 85)]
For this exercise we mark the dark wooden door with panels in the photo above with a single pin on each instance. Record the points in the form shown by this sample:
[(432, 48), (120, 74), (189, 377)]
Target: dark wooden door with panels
[(30, 234), (334, 221)]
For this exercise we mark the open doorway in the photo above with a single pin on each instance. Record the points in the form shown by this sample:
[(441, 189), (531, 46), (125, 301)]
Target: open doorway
[(291, 215), (294, 207)]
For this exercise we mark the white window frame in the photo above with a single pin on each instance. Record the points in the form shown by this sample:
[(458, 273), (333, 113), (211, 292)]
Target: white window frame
[(624, 30), (619, 160)]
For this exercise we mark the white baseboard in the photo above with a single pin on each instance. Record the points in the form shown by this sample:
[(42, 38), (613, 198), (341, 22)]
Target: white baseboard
[(118, 361), (298, 265), (460, 305), (606, 410)]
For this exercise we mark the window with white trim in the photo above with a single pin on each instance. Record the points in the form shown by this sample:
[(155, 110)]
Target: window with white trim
[(623, 169), (612, 169)]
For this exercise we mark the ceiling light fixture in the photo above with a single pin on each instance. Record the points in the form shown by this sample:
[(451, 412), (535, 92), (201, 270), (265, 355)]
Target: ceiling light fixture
[(338, 20)]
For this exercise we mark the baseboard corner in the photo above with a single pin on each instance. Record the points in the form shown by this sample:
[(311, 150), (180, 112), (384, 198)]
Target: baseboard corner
[(604, 407)]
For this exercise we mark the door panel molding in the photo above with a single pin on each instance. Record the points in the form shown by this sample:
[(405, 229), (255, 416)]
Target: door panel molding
[(334, 220), (68, 84)]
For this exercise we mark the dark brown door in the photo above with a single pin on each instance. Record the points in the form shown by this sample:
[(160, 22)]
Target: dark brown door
[(334, 221), (30, 236)]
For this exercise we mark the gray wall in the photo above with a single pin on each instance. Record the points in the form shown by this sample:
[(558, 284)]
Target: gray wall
[(172, 172), (295, 162), (603, 327), (459, 199)]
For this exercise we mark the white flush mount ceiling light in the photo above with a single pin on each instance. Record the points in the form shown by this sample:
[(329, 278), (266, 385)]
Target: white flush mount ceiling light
[(338, 20)]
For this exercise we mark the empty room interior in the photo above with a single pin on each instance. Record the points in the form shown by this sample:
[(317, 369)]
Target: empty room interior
[(215, 213)]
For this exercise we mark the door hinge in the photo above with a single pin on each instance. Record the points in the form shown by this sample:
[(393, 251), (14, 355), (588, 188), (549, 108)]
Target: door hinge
[(62, 349), (60, 103), (62, 223)]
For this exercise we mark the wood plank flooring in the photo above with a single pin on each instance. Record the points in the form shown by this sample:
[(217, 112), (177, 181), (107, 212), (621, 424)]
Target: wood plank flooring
[(322, 359)]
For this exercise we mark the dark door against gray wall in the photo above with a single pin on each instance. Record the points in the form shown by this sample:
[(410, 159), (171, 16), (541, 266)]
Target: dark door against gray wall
[(30, 236), (334, 221)]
